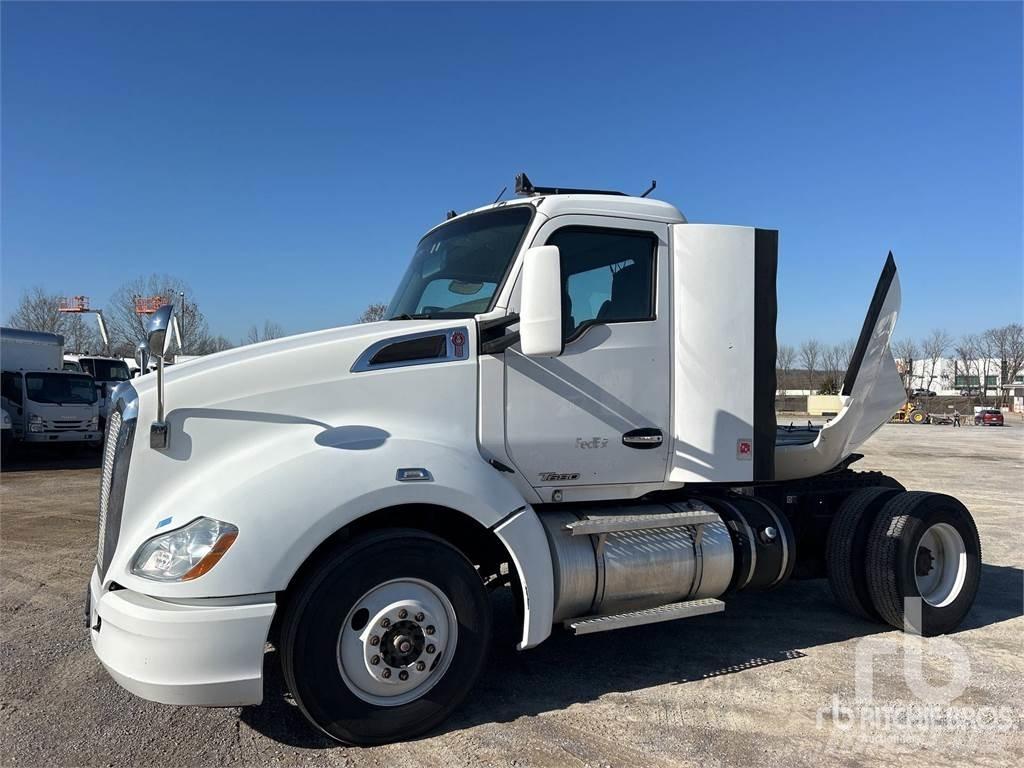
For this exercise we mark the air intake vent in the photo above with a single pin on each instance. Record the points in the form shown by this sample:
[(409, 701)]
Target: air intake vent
[(423, 348)]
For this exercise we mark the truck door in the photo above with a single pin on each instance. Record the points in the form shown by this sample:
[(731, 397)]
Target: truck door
[(599, 413), (12, 401)]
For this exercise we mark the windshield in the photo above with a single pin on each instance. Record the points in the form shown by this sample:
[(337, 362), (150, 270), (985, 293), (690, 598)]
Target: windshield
[(105, 370), (62, 388), (457, 268)]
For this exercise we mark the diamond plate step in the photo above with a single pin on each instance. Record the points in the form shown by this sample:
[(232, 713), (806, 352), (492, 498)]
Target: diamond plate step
[(685, 610), (597, 525)]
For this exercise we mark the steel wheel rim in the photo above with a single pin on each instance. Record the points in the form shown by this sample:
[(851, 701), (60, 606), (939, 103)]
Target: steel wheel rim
[(397, 642), (940, 566)]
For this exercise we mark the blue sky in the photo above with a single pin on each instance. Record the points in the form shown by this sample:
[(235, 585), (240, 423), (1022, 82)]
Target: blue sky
[(284, 159)]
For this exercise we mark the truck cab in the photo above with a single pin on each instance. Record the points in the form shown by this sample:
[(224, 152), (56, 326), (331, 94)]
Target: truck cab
[(107, 372), (572, 398), (46, 404)]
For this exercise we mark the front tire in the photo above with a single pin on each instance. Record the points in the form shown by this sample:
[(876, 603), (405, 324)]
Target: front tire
[(386, 638), (923, 562)]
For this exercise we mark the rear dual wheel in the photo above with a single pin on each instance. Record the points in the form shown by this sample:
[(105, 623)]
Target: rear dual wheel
[(910, 559), (386, 639), (923, 562)]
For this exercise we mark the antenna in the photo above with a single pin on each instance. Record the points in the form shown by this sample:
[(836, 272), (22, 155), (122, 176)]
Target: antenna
[(500, 194), (651, 188)]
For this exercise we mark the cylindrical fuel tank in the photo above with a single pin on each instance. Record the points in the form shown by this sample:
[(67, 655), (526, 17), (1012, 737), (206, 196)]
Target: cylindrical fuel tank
[(636, 569)]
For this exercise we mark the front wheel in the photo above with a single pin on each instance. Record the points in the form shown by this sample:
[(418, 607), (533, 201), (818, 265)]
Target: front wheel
[(388, 636)]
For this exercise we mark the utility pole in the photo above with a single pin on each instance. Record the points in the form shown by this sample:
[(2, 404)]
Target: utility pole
[(184, 329)]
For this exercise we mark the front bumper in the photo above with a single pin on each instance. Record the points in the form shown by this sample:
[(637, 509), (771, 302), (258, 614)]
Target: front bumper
[(69, 436), (204, 652)]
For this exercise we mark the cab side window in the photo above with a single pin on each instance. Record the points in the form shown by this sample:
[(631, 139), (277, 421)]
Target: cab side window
[(607, 276), (11, 387)]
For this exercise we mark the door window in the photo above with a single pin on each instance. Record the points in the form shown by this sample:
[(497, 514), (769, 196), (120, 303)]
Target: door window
[(607, 276), (12, 387)]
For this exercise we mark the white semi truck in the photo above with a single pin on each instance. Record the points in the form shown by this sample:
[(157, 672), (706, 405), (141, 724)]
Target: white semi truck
[(46, 404), (573, 397)]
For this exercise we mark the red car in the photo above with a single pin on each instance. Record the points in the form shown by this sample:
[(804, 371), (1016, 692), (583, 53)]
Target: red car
[(989, 418)]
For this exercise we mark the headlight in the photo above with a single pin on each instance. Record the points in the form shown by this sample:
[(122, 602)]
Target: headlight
[(94, 424), (35, 423), (186, 553)]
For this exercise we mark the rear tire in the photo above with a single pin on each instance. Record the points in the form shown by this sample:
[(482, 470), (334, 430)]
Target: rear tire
[(385, 639), (846, 549), (924, 562)]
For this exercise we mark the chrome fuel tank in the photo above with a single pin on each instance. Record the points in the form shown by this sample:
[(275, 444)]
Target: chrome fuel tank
[(629, 570)]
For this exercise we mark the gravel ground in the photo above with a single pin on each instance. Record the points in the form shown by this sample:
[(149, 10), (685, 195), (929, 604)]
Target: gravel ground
[(769, 682)]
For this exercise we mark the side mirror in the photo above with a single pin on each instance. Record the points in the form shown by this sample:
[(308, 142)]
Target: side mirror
[(142, 357), (540, 312), (157, 326), (157, 341)]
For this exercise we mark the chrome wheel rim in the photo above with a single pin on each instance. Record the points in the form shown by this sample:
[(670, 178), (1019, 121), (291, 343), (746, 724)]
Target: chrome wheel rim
[(397, 642), (940, 565)]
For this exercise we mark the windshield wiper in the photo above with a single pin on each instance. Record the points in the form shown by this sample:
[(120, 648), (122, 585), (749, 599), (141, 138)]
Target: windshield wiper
[(417, 316)]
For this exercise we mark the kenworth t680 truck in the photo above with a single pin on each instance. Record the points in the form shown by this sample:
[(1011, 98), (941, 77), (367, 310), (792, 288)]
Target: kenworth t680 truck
[(573, 397)]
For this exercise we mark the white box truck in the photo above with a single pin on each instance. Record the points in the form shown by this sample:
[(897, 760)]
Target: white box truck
[(46, 403), (573, 398)]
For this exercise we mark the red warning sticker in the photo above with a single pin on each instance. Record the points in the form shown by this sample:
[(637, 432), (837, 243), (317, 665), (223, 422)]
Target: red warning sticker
[(744, 449)]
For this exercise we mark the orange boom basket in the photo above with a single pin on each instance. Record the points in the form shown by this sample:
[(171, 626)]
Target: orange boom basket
[(73, 304), (147, 305)]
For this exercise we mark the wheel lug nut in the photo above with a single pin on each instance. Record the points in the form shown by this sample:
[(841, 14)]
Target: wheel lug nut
[(419, 617), (403, 613), (385, 623), (375, 660), (431, 648), (420, 666), (403, 675), (374, 640), (386, 673), (429, 630)]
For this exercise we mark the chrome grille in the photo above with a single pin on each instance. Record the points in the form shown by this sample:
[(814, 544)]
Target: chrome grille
[(106, 481), (65, 425)]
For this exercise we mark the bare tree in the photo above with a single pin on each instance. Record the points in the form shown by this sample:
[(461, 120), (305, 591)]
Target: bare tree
[(38, 311), (81, 334), (966, 363), (833, 359), (1009, 347), (270, 330), (218, 344), (810, 352), (934, 346), (784, 359), (373, 313), (988, 350), (906, 355), (126, 326)]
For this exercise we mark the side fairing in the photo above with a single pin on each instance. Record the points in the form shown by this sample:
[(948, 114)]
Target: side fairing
[(872, 392)]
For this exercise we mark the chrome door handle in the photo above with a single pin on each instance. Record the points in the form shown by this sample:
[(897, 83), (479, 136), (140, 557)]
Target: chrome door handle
[(646, 437)]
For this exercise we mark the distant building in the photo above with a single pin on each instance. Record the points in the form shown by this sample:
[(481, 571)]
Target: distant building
[(951, 376)]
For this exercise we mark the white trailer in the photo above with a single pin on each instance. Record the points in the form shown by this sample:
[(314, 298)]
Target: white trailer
[(573, 398), (46, 404)]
